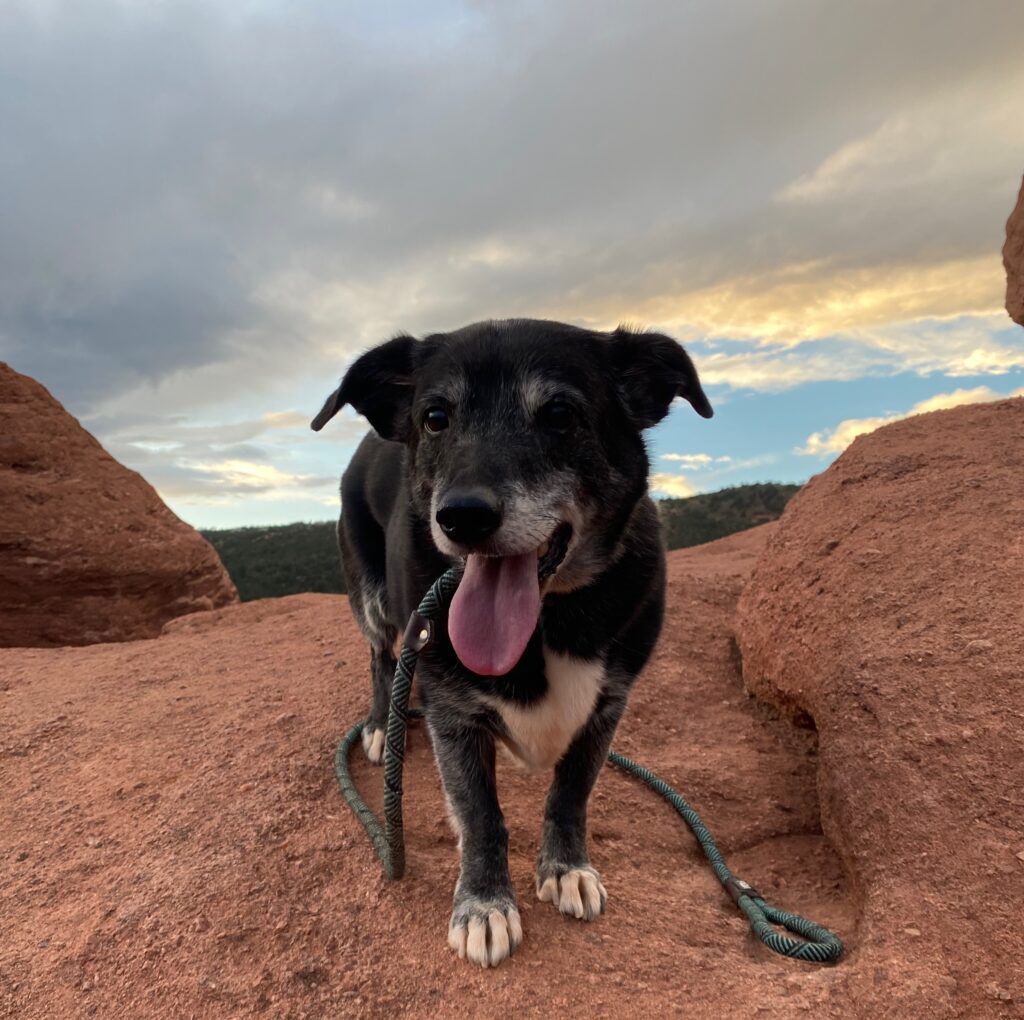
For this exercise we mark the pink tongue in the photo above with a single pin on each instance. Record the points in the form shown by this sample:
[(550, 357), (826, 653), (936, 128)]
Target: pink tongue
[(494, 612)]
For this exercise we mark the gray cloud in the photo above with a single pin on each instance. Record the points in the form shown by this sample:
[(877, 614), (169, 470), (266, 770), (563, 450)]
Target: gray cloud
[(213, 463), (209, 198)]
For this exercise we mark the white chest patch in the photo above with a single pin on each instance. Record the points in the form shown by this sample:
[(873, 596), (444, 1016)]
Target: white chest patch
[(540, 733)]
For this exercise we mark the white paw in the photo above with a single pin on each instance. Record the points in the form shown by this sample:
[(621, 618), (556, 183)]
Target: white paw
[(576, 891), (373, 743), (485, 933)]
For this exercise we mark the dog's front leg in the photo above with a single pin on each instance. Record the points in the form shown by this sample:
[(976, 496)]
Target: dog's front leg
[(485, 924), (565, 876)]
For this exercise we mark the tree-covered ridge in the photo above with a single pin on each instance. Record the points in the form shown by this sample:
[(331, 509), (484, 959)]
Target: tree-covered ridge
[(285, 559), (711, 515), (293, 558)]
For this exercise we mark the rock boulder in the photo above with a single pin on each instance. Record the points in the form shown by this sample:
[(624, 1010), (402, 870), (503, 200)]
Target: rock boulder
[(88, 550), (888, 607), (1013, 260)]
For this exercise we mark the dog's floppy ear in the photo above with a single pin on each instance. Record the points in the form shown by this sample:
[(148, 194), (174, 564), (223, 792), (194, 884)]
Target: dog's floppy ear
[(379, 385), (650, 370)]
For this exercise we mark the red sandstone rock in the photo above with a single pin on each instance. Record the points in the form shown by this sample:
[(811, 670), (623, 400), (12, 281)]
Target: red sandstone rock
[(889, 607), (174, 843), (1013, 260), (88, 551)]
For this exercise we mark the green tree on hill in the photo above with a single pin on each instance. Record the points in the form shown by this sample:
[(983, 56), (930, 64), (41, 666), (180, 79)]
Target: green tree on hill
[(284, 560), (711, 515)]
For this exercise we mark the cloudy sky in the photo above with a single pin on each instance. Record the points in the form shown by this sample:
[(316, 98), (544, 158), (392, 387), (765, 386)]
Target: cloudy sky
[(206, 209)]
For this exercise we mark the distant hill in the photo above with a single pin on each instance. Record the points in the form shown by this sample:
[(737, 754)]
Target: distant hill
[(283, 560), (293, 558), (711, 515)]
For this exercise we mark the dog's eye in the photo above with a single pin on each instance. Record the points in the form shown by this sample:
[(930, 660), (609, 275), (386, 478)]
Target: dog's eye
[(436, 420), (557, 414)]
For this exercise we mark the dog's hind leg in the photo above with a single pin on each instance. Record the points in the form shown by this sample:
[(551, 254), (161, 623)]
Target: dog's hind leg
[(381, 635), (362, 556)]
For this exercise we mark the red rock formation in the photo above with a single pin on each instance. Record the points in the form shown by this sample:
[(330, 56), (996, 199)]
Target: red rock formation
[(174, 842), (1013, 260), (889, 607), (88, 551)]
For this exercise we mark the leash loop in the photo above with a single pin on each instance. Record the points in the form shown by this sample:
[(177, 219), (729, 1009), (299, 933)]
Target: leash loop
[(816, 945)]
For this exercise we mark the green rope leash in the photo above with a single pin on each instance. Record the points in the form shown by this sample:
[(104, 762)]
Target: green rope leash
[(389, 841), (819, 945)]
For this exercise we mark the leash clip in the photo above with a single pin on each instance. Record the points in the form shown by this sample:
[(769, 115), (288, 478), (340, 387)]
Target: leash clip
[(418, 633), (737, 889)]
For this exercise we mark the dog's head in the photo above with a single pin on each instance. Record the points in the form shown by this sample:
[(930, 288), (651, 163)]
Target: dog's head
[(525, 455)]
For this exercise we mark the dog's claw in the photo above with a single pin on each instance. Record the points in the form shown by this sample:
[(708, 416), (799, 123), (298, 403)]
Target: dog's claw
[(577, 892), (485, 935), (373, 743)]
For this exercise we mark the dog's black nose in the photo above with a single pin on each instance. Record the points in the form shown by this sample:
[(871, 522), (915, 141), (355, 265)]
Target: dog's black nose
[(469, 517)]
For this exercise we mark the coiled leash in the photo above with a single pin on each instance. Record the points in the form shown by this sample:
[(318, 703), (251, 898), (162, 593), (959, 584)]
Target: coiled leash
[(821, 946)]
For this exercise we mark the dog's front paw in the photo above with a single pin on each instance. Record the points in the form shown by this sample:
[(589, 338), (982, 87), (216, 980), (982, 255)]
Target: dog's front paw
[(373, 743), (485, 931), (576, 891)]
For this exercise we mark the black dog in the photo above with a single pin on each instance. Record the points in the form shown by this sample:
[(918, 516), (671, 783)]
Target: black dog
[(516, 447)]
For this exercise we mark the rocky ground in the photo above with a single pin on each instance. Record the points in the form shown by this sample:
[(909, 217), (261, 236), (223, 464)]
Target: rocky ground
[(174, 843)]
